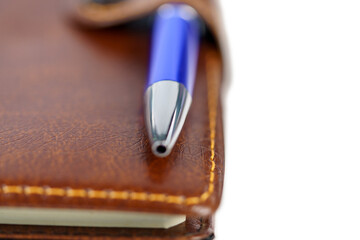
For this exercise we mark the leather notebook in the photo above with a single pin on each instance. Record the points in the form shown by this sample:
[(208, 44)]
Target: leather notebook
[(72, 131)]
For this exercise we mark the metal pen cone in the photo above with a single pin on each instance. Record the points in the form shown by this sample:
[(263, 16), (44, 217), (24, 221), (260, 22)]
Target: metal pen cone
[(160, 149), (166, 106)]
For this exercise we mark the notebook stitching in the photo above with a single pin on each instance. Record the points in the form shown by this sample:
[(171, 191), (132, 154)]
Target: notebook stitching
[(140, 196)]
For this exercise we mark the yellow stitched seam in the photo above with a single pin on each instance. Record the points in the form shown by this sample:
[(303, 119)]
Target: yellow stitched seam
[(76, 193), (34, 190), (97, 194), (49, 191), (12, 189), (139, 196), (142, 196), (119, 195), (175, 199), (157, 197)]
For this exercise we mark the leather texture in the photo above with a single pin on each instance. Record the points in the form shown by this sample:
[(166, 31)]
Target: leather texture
[(93, 14), (193, 228), (72, 132)]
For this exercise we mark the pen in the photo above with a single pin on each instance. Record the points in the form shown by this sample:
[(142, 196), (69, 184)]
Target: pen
[(172, 69)]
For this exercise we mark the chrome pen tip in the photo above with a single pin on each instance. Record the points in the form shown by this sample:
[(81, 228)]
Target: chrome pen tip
[(166, 106), (160, 149)]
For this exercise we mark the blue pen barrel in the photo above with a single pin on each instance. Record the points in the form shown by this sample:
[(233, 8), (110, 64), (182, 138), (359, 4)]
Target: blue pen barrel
[(175, 46)]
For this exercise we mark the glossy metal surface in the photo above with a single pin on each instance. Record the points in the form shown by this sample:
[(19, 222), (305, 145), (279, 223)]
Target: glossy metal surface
[(166, 106)]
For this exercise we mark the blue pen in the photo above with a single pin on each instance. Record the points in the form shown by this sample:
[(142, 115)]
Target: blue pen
[(172, 70)]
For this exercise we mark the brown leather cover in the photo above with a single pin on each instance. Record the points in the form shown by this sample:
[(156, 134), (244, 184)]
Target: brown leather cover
[(197, 228), (72, 131)]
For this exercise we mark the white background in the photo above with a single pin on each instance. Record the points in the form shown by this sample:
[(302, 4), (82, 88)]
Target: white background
[(292, 121)]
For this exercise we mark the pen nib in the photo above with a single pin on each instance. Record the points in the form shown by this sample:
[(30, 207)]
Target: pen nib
[(166, 106)]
